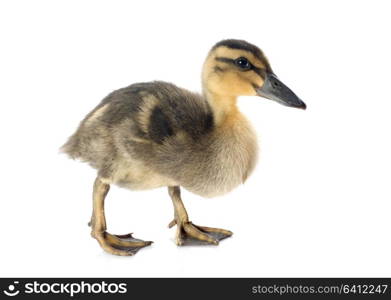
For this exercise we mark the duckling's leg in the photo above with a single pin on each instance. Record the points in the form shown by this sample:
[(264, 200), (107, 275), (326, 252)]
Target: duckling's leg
[(189, 233), (124, 245)]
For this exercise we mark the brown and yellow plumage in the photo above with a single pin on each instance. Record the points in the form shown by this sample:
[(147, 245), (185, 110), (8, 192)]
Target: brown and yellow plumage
[(156, 134)]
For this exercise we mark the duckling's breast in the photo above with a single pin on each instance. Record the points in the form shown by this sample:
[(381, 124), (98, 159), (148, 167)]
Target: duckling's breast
[(226, 161)]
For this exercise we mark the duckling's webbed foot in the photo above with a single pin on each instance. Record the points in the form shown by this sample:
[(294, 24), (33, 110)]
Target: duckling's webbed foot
[(189, 233), (123, 245)]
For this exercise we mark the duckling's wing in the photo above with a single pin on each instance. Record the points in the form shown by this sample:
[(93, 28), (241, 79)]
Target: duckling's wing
[(157, 111)]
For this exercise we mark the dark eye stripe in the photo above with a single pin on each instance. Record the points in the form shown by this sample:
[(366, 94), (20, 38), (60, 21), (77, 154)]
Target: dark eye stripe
[(259, 71), (225, 59), (233, 61)]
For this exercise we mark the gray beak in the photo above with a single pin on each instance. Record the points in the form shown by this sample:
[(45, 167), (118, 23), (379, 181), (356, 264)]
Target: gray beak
[(274, 89)]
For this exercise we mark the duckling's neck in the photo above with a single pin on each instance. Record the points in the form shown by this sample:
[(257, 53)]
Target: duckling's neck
[(224, 107)]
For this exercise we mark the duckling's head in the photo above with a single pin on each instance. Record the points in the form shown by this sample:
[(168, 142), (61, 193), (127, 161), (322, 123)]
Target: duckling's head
[(237, 68)]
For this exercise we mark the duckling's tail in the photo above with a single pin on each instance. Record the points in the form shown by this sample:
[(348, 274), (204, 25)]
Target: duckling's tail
[(72, 147)]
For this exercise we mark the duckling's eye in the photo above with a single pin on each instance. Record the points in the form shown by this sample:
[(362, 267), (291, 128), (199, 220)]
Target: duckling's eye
[(243, 63)]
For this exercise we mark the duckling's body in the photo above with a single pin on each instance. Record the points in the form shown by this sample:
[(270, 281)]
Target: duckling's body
[(155, 134)]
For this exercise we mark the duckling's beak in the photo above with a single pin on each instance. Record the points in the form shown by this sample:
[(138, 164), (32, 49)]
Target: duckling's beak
[(274, 89)]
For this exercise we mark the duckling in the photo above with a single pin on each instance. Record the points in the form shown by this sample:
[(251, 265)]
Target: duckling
[(155, 134)]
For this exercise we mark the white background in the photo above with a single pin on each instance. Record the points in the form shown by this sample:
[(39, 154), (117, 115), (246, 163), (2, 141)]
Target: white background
[(318, 203)]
